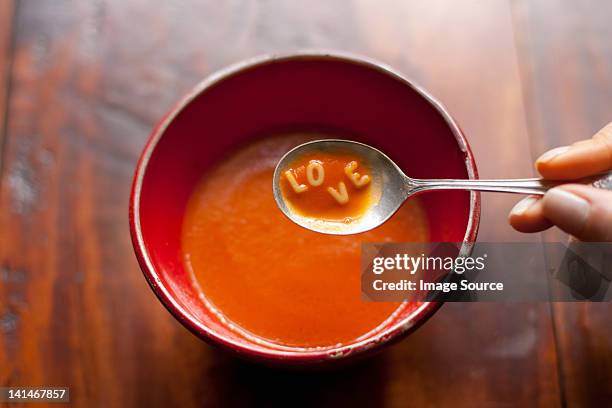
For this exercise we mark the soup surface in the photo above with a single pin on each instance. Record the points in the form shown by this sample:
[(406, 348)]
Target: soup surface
[(271, 278)]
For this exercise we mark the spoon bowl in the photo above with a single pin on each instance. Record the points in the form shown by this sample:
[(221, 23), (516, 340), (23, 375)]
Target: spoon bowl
[(389, 186)]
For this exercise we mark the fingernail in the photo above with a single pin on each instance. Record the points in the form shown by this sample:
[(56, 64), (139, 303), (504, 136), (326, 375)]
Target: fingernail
[(549, 155), (523, 205), (564, 207)]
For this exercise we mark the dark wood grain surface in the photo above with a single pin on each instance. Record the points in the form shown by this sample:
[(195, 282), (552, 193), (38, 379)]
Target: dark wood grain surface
[(7, 318), (565, 54), (6, 35), (86, 80)]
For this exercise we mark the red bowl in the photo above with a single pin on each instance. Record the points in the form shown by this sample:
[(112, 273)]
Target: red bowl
[(237, 104)]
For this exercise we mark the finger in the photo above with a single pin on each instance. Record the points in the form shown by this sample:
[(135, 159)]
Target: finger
[(527, 216), (582, 211), (581, 159)]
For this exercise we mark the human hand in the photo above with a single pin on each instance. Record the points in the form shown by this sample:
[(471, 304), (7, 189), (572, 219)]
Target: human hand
[(582, 211)]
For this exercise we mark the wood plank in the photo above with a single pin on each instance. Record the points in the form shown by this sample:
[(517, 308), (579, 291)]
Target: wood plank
[(7, 319), (6, 36), (565, 55), (451, 51), (88, 87)]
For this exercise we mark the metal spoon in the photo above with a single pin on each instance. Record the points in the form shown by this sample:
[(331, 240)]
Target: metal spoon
[(392, 187)]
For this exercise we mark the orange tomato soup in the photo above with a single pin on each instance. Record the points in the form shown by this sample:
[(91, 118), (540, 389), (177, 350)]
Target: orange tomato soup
[(271, 278), (329, 187)]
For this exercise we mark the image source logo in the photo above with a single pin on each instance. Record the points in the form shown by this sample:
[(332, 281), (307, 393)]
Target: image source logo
[(490, 272)]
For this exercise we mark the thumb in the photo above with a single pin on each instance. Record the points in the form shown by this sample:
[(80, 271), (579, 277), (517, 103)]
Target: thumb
[(582, 211)]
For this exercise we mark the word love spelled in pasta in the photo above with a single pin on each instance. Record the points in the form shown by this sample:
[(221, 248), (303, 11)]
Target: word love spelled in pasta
[(315, 176)]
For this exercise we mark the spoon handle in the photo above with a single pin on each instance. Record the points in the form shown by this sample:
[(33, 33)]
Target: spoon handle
[(520, 186)]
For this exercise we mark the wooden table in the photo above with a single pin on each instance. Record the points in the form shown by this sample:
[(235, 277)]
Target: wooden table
[(82, 83)]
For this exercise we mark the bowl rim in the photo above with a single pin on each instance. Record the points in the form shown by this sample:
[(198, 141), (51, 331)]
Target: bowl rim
[(399, 329)]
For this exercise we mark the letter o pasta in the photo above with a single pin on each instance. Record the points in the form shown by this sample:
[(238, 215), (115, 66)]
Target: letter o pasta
[(315, 166)]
